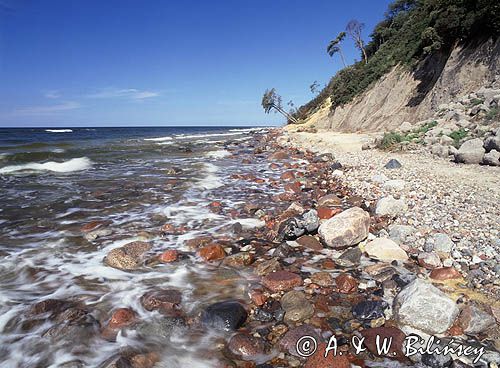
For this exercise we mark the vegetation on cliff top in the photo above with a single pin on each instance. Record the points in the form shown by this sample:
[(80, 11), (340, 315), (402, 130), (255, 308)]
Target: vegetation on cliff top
[(411, 31)]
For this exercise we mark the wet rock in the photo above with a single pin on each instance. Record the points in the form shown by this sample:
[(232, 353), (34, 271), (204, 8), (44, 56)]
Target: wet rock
[(397, 341), (161, 328), (279, 156), (346, 284), (369, 309), (470, 152), (423, 306), (310, 242), (385, 249), (445, 273), (296, 306), (429, 260), (212, 252), (73, 324), (258, 297), (246, 347), (50, 306), (351, 256), (282, 251), (169, 229), (345, 229), (165, 301), (122, 317), (323, 279), (227, 315), (436, 360), (169, 256), (318, 359), (474, 321), (289, 341), (492, 143), (92, 225), (267, 267), (129, 257), (389, 206), (392, 164), (240, 259), (281, 281), (296, 226), (99, 233)]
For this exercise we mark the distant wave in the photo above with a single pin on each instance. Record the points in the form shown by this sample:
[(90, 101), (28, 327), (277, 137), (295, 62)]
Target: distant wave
[(159, 139), (184, 136), (218, 154), (59, 130), (75, 164)]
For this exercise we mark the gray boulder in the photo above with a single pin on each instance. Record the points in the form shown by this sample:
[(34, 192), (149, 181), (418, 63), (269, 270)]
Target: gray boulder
[(442, 243), (474, 321), (439, 150), (424, 307), (400, 233), (345, 229), (405, 127), (492, 158), (470, 152)]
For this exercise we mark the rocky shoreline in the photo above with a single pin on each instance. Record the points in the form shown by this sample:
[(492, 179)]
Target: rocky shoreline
[(331, 255)]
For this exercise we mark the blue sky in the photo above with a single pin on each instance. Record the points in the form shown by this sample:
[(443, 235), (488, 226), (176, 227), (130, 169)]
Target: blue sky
[(124, 62)]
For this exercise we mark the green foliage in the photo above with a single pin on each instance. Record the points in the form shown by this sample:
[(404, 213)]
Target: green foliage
[(390, 139), (493, 114), (411, 30), (457, 136), (426, 127), (476, 101)]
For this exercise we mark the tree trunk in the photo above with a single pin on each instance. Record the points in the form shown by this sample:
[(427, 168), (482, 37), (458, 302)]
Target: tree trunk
[(342, 57), (285, 114), (364, 54)]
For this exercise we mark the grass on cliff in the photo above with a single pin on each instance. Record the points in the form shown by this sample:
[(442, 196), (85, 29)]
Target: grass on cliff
[(412, 31)]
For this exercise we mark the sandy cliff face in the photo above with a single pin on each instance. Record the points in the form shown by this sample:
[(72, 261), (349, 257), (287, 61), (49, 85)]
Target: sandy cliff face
[(414, 96)]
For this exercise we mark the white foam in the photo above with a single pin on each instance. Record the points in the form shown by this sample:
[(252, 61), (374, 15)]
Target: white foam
[(75, 164), (59, 130), (211, 181), (218, 154), (159, 139), (183, 136)]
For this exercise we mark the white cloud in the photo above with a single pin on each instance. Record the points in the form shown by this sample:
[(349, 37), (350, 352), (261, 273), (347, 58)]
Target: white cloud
[(52, 94), (130, 93), (47, 110)]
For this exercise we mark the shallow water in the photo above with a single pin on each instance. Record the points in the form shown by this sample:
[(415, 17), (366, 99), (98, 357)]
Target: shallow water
[(54, 181)]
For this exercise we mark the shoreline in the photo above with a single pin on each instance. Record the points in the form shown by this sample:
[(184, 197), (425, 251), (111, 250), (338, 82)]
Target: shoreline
[(297, 249)]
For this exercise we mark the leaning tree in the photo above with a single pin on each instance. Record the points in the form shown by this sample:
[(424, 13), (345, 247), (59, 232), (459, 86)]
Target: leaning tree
[(272, 100), (334, 47)]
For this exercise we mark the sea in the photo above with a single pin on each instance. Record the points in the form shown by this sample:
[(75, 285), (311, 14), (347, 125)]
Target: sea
[(54, 181)]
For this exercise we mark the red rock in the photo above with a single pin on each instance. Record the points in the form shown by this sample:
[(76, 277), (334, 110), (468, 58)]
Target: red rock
[(147, 360), (328, 264), (212, 252), (455, 330), (122, 317), (92, 225), (398, 338), (294, 187), (281, 281), (327, 212), (445, 273), (238, 260), (257, 297), (169, 256), (165, 301), (323, 279), (310, 242), (318, 359), (274, 166), (245, 346), (289, 341), (288, 175), (346, 283)]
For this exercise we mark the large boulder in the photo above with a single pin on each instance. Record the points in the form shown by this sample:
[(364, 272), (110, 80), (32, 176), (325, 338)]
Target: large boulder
[(405, 127), (470, 152), (439, 150), (346, 229), (389, 206), (228, 315), (424, 307), (129, 257)]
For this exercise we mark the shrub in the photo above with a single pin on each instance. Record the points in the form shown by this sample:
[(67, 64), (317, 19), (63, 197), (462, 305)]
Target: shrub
[(457, 136)]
